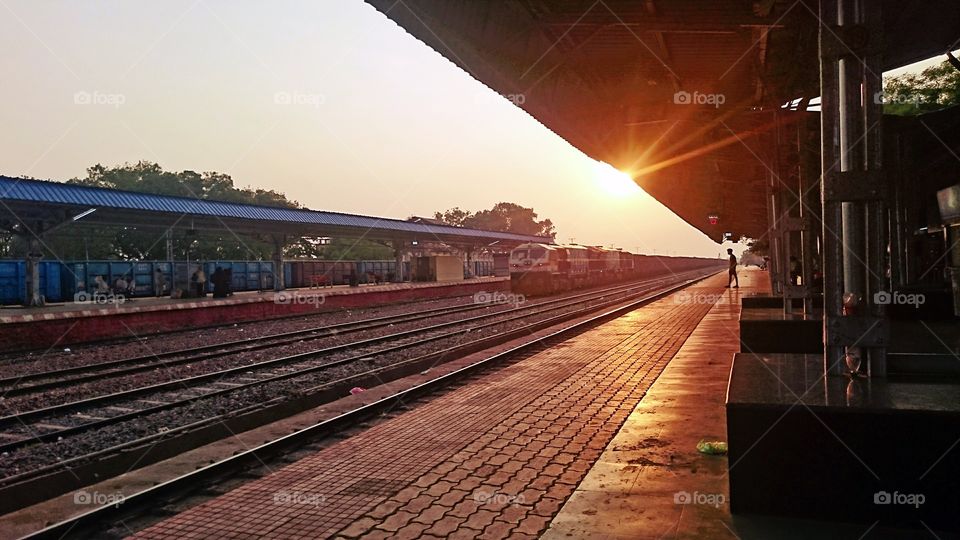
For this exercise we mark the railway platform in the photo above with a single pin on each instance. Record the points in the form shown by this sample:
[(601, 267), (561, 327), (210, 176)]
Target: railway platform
[(501, 456), (70, 323)]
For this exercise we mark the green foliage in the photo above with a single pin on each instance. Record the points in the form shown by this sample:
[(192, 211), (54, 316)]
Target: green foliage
[(454, 216), (932, 89), (759, 247), (504, 217)]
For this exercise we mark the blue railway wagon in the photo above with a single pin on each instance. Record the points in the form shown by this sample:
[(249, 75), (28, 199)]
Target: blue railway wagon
[(246, 275), (13, 282), (81, 275), (478, 268), (384, 269), (482, 268), (302, 272)]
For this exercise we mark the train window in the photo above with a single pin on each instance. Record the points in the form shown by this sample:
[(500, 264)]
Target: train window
[(520, 254), (537, 253)]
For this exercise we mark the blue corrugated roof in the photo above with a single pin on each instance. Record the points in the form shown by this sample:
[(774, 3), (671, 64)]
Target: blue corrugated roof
[(42, 191)]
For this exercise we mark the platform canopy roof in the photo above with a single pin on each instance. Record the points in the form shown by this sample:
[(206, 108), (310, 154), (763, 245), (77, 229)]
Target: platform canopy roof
[(680, 94), (39, 205)]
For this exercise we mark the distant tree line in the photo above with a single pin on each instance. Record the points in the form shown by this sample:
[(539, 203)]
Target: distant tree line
[(504, 217)]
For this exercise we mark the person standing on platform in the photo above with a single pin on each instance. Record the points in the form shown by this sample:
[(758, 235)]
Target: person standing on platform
[(159, 283), (120, 285), (219, 283), (732, 274), (199, 279)]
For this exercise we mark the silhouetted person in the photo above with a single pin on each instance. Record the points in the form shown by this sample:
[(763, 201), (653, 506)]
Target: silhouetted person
[(732, 273), (219, 283)]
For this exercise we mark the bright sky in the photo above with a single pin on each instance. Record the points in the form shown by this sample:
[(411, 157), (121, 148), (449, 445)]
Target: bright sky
[(329, 102)]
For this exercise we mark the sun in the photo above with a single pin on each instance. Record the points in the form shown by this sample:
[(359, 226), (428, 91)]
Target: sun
[(614, 182)]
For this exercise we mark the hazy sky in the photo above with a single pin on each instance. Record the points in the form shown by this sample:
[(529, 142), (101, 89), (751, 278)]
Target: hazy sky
[(327, 101)]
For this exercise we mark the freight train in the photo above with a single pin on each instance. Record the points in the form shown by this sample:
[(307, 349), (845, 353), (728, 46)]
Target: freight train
[(61, 281), (539, 269)]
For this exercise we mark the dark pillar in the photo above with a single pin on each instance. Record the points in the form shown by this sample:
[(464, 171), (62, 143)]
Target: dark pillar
[(34, 256), (468, 255), (852, 194), (278, 279), (808, 181), (773, 206), (398, 246)]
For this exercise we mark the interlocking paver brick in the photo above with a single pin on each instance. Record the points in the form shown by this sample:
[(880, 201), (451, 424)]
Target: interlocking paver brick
[(359, 527), (376, 535), (546, 507), (419, 504), (469, 484), (539, 423), (480, 519), (514, 513), (532, 525), (384, 509), (439, 488), (410, 532), (396, 521), (407, 494), (497, 529), (464, 508), (498, 479), (446, 525), (431, 515), (463, 533)]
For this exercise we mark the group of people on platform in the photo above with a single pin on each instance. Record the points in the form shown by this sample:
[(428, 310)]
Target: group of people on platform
[(221, 278), (122, 285)]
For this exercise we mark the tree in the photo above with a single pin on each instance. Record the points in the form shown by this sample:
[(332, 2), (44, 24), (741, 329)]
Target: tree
[(505, 217), (454, 216), (934, 88), (759, 247)]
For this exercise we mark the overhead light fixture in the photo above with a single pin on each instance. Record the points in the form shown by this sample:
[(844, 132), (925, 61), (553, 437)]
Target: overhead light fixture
[(84, 214), (713, 219)]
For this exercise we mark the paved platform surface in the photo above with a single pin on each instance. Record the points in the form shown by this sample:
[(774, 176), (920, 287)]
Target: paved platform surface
[(650, 481), (495, 458)]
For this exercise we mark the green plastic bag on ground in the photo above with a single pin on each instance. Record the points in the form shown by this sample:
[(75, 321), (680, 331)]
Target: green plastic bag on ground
[(714, 448)]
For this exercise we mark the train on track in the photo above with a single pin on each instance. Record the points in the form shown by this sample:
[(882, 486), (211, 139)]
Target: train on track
[(539, 269)]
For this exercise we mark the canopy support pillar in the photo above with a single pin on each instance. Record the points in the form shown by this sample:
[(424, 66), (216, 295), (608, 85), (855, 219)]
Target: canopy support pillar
[(856, 329)]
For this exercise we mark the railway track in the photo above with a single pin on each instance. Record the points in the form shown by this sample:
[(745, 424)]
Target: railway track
[(185, 401), (13, 387), (48, 380), (251, 463)]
